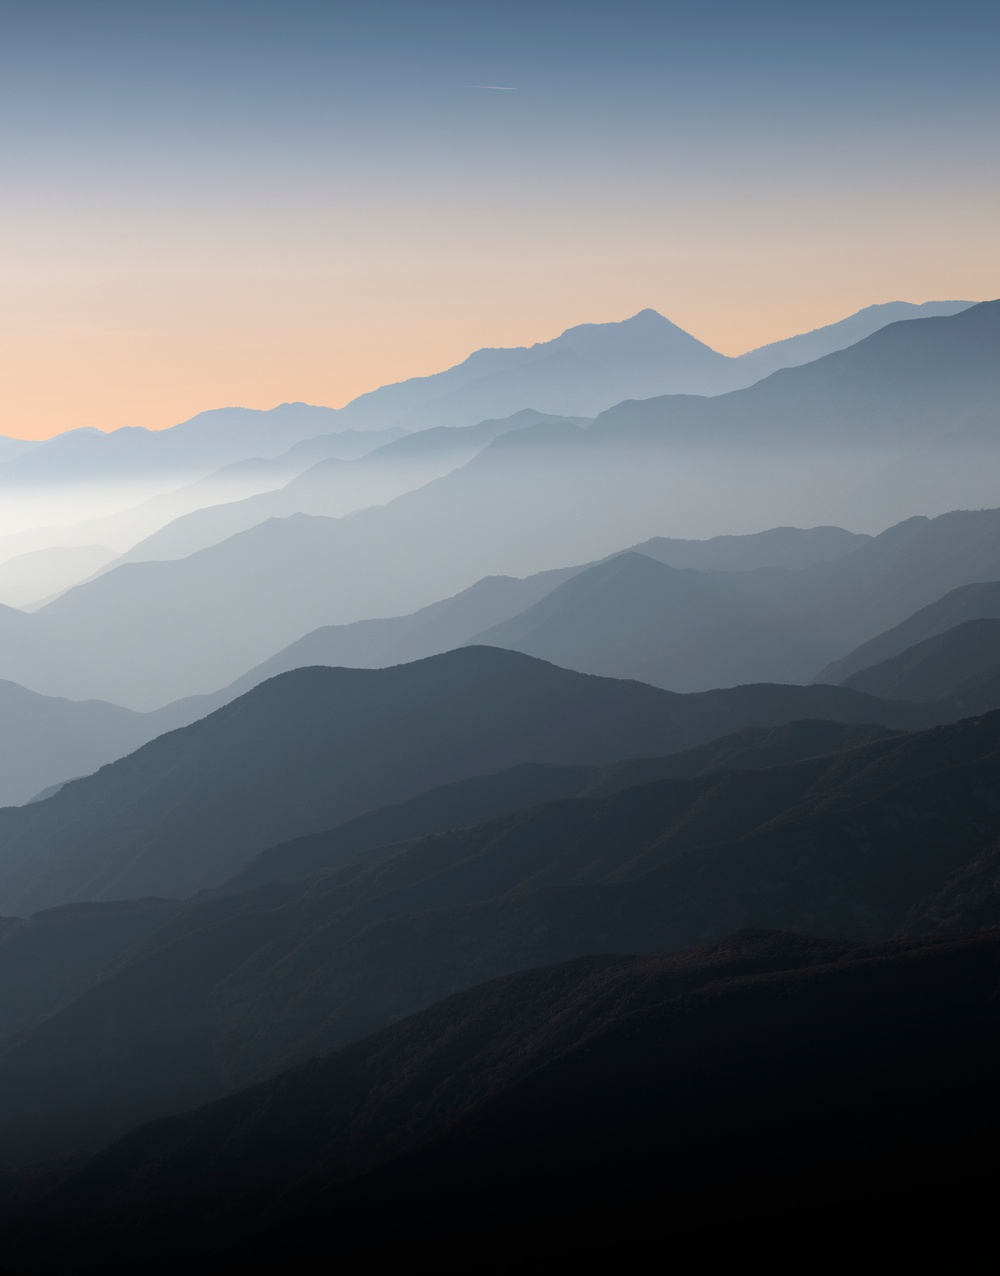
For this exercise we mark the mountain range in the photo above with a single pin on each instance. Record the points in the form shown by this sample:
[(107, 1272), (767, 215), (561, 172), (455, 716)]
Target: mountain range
[(489, 847), (83, 475), (593, 366), (48, 739), (751, 1081), (143, 1007), (316, 746), (968, 602)]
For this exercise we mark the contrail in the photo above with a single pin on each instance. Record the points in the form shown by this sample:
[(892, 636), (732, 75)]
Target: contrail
[(500, 88)]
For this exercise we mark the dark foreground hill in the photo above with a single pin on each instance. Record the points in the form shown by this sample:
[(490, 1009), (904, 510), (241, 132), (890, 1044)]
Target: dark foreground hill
[(317, 746), (487, 797), (899, 836), (49, 959), (606, 1099), (956, 665)]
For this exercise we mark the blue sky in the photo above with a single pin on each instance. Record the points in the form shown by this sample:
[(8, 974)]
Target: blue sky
[(218, 202)]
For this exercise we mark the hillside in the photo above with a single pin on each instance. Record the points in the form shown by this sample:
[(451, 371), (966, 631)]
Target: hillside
[(952, 666), (678, 1088), (633, 617), (897, 836), (311, 748), (553, 494), (918, 381), (968, 602)]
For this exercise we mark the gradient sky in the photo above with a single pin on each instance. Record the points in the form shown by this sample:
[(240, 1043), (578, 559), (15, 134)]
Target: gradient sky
[(217, 203)]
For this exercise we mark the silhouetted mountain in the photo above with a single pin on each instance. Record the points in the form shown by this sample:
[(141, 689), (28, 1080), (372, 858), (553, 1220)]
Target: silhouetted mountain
[(897, 836), (45, 740), (370, 644), (334, 487), (487, 797), (106, 515), (85, 474), (702, 1081), (533, 500), (316, 746), (581, 372), (952, 666), (590, 367), (791, 547), (88, 475), (145, 634), (536, 499), (374, 644), (197, 446), (968, 602), (365, 644), (45, 961), (28, 579), (794, 351), (633, 617), (884, 581), (918, 381), (10, 448)]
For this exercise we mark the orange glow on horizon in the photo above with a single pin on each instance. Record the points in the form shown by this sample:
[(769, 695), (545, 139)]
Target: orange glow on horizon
[(157, 354)]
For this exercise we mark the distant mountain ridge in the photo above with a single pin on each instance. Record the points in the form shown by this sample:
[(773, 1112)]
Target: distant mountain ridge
[(917, 381), (334, 487), (590, 367), (49, 739), (977, 601), (655, 357), (633, 617), (957, 665)]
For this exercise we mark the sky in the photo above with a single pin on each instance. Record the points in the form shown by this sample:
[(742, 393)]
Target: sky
[(249, 203)]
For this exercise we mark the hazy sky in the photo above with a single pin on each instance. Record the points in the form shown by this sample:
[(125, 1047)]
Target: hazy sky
[(215, 203)]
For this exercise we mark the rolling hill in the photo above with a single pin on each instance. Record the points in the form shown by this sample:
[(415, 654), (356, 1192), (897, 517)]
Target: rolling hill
[(316, 746), (633, 617), (967, 602), (953, 665), (893, 837), (605, 1093)]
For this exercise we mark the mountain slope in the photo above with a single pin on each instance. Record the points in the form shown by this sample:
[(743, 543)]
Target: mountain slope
[(31, 767), (334, 487), (918, 381), (454, 621), (45, 740), (951, 666), (50, 958), (316, 746), (133, 522), (794, 351), (688, 1080), (791, 547), (540, 498), (590, 367), (580, 372), (905, 568), (968, 602), (488, 797), (633, 617), (896, 836)]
